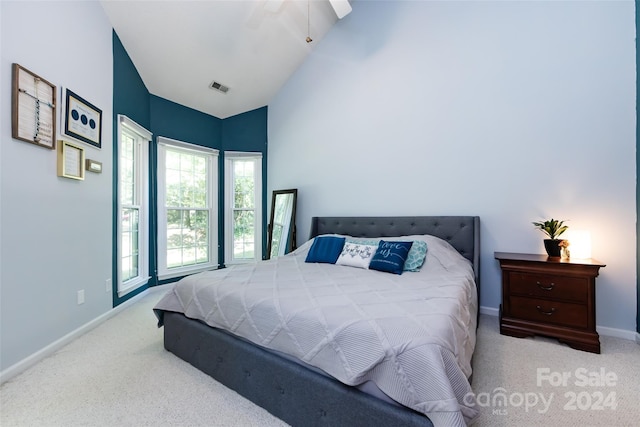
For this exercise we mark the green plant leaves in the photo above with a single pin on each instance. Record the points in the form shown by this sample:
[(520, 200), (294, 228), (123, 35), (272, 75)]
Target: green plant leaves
[(552, 227)]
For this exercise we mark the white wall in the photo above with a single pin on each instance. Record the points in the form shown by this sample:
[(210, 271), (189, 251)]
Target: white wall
[(55, 232), (513, 111)]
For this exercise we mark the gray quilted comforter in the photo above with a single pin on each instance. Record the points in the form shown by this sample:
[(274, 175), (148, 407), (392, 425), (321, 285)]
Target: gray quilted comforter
[(413, 334)]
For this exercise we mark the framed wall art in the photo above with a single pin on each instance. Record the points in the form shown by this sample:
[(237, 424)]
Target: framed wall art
[(70, 160), (82, 120), (33, 108)]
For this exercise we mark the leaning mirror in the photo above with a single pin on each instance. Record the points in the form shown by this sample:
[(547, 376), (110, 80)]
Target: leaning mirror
[(282, 225)]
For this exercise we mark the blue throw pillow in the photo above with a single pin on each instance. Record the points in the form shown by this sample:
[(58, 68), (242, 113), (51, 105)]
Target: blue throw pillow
[(390, 256), (325, 249)]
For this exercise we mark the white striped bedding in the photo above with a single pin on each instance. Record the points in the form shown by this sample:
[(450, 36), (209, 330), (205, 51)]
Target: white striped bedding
[(413, 334)]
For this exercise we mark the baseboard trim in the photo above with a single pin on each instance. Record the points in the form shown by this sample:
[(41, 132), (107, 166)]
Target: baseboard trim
[(602, 330), (489, 311), (47, 351), (617, 333)]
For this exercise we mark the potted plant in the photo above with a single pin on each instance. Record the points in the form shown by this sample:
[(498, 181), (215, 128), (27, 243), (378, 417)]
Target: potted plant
[(554, 229)]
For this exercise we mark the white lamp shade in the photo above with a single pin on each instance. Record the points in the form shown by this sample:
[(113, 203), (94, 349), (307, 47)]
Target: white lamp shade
[(579, 243)]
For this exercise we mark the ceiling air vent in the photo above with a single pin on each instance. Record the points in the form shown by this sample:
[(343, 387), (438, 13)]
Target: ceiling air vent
[(219, 87)]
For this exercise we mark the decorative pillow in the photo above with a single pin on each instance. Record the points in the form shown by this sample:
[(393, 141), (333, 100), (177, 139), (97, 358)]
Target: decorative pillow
[(415, 259), (325, 249), (355, 255), (363, 241), (390, 256), (416, 256)]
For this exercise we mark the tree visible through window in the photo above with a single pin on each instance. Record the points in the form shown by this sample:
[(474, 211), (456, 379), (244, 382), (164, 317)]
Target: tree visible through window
[(244, 214), (186, 216), (244, 209), (133, 205), (130, 208), (186, 204)]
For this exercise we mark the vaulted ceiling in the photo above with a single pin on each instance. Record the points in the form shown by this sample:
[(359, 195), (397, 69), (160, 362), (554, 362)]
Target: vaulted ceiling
[(249, 46)]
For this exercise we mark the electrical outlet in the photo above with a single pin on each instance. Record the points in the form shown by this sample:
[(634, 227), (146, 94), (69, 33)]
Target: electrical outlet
[(108, 285), (81, 296)]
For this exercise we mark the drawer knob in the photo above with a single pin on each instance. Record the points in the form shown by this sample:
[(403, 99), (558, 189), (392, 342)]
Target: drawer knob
[(546, 288), (548, 313)]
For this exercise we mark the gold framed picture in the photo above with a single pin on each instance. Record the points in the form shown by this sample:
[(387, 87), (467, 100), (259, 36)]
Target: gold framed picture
[(70, 160), (33, 108)]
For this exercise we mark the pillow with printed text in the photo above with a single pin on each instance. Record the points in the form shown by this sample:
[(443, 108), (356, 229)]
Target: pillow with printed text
[(390, 256)]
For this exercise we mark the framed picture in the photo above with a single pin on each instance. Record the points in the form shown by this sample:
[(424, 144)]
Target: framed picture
[(82, 120), (70, 160), (33, 108)]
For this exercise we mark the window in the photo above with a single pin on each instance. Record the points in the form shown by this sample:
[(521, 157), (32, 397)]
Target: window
[(243, 207), (133, 205), (187, 208)]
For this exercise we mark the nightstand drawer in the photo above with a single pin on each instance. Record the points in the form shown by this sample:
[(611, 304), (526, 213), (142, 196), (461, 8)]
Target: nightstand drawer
[(549, 286), (541, 310)]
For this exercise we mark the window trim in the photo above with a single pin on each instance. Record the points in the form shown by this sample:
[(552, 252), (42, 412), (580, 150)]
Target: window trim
[(143, 139), (229, 158), (212, 156)]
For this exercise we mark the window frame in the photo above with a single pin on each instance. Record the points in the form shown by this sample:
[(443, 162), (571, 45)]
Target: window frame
[(212, 158), (142, 140), (229, 158)]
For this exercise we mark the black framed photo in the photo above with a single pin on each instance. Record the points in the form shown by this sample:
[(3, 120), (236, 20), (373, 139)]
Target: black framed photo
[(82, 120)]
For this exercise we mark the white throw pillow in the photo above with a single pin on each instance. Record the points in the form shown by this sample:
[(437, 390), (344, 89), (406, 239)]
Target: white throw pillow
[(355, 255)]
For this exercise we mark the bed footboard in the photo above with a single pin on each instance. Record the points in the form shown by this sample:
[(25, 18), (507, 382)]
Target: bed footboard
[(291, 392)]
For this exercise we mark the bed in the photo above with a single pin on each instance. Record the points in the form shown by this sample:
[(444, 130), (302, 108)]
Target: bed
[(252, 359)]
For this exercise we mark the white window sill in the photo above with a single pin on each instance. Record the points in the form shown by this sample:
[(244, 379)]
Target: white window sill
[(132, 285), (237, 262), (185, 271)]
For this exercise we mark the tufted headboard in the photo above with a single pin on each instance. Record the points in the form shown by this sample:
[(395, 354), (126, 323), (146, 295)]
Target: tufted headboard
[(462, 232)]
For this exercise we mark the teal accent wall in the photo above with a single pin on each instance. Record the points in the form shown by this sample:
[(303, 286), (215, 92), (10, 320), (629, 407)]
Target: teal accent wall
[(246, 131), (176, 121), (130, 95), (243, 132), (130, 98)]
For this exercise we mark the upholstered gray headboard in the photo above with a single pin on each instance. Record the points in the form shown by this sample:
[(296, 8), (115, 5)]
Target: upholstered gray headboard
[(462, 232)]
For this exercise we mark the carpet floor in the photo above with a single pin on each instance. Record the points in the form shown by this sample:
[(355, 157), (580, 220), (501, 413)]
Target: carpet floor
[(119, 374)]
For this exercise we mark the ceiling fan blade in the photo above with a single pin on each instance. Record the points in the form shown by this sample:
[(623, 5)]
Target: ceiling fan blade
[(341, 7)]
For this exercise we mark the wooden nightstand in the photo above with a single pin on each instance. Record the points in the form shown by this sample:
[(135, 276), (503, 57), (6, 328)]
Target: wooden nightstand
[(550, 296)]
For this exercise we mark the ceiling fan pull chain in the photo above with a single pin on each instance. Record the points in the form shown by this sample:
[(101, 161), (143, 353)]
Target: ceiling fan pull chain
[(309, 39)]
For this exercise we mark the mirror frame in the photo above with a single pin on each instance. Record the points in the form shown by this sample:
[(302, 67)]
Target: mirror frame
[(291, 239)]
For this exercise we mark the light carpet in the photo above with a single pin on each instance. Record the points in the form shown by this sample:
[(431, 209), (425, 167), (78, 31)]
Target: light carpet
[(119, 374)]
